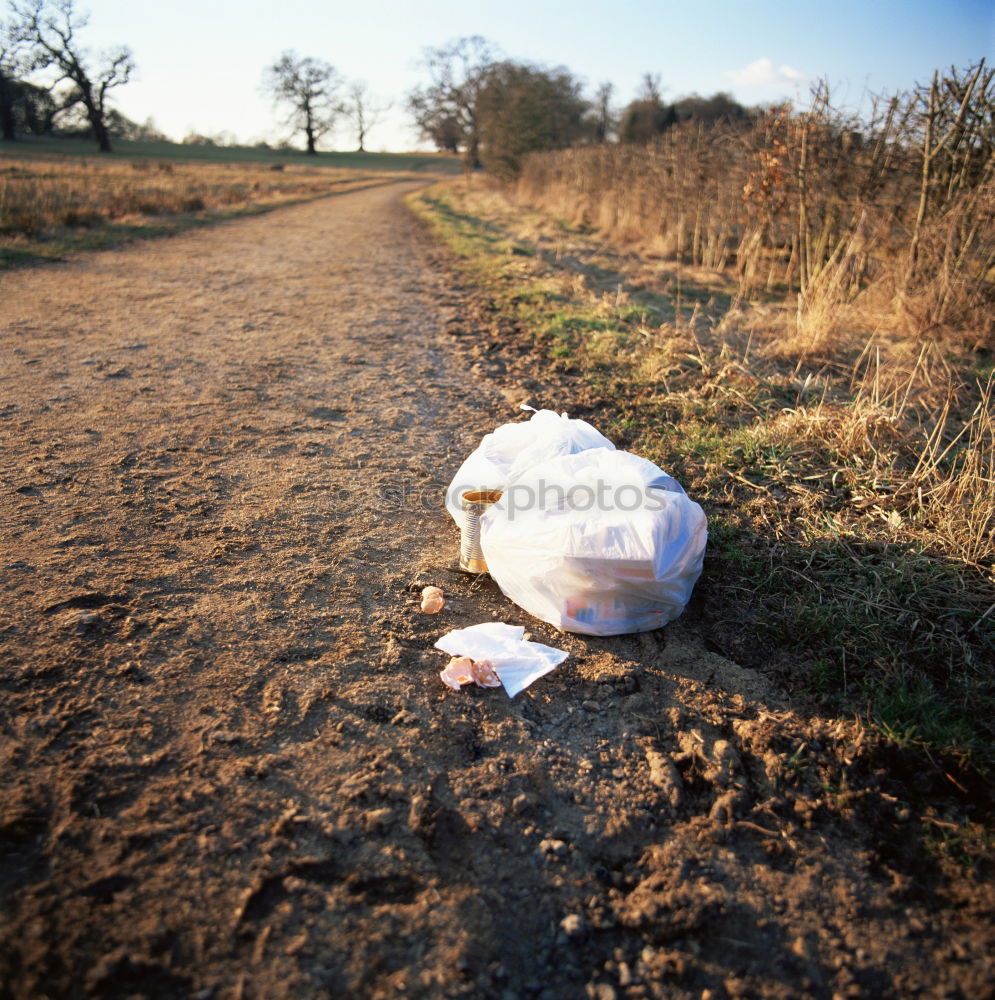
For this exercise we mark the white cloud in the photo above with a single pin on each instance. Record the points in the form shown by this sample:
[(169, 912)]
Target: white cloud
[(762, 73)]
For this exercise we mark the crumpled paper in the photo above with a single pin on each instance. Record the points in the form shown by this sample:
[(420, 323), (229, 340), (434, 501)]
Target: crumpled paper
[(462, 670), (516, 660), (432, 600)]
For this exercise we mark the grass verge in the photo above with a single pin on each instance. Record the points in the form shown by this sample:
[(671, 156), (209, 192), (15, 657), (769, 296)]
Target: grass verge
[(128, 150), (54, 205), (850, 492)]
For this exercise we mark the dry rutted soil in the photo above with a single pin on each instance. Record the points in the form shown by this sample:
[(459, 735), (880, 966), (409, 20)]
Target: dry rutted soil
[(228, 767)]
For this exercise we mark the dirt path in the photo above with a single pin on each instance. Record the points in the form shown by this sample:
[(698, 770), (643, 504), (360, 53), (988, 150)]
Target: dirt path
[(228, 768)]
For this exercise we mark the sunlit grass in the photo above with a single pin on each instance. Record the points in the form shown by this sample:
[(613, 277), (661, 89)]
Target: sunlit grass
[(129, 150), (56, 204)]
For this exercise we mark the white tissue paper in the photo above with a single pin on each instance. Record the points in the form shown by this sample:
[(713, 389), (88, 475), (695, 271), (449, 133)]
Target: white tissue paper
[(516, 660)]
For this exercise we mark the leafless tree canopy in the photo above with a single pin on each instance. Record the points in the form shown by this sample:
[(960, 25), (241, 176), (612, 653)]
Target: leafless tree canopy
[(50, 29), (523, 108), (308, 89), (364, 110), (496, 111), (446, 109)]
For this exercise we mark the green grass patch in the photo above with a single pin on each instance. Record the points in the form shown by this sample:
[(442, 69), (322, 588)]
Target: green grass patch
[(428, 163)]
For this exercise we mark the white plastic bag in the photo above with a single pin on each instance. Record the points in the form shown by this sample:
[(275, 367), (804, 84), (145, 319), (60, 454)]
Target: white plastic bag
[(513, 449), (600, 542)]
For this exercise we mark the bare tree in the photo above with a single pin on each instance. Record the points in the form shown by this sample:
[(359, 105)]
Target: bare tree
[(309, 89), (9, 72), (50, 27), (446, 110), (648, 115), (649, 88), (364, 111), (604, 118)]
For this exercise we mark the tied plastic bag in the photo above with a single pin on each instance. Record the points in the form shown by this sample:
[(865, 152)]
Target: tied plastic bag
[(513, 449), (600, 542)]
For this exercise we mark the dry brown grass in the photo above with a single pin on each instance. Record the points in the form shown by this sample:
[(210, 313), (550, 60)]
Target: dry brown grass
[(904, 423), (886, 220), (47, 200), (849, 476), (906, 450)]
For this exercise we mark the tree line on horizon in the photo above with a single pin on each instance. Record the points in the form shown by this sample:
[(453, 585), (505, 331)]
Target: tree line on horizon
[(51, 84), (490, 110), (495, 111)]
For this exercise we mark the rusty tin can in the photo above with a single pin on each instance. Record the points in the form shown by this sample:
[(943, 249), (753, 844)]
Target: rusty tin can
[(473, 504)]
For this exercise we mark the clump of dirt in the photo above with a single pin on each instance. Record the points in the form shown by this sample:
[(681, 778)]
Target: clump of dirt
[(230, 766)]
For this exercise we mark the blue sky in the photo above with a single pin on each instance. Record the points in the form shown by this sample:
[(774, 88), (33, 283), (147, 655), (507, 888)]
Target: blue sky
[(200, 62)]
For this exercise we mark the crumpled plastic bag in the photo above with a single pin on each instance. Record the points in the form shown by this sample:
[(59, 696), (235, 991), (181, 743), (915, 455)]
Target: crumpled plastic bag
[(516, 660), (515, 448), (600, 542)]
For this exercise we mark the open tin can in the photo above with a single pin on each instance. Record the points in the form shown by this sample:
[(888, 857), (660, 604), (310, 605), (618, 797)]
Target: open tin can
[(473, 504)]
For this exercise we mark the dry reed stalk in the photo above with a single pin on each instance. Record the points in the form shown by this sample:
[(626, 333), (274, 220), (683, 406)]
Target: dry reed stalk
[(829, 205), (957, 480)]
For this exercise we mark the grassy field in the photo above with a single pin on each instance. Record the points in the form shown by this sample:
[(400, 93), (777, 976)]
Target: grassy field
[(128, 150), (59, 196), (850, 488)]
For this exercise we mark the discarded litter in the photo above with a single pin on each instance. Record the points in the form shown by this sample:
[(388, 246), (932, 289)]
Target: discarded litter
[(462, 670), (601, 542), (583, 536), (513, 659), (432, 600), (473, 503), (515, 448)]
